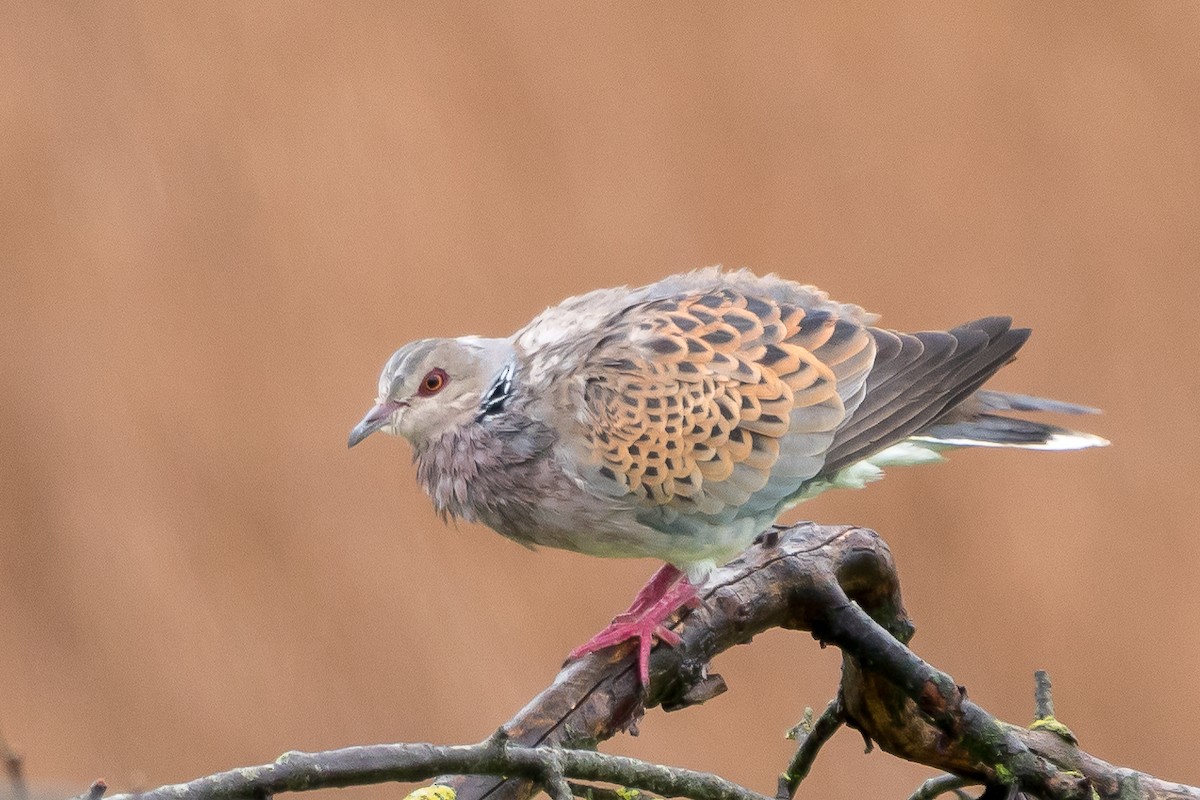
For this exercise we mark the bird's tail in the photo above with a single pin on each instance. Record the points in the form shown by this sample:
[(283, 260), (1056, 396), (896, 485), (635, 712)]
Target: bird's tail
[(975, 424)]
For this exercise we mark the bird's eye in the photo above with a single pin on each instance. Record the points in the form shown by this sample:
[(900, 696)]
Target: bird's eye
[(433, 382)]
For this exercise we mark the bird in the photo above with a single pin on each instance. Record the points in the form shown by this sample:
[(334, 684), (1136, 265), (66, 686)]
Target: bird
[(679, 420)]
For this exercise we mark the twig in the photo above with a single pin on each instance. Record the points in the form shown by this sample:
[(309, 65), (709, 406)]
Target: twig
[(586, 791), (552, 778), (1043, 697), (940, 784), (810, 743), (14, 766), (1044, 719), (95, 792), (355, 766)]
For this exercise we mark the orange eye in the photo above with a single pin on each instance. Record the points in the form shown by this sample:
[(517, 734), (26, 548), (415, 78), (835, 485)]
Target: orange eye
[(433, 382)]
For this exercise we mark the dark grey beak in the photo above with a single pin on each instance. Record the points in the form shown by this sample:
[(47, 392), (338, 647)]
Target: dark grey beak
[(375, 419)]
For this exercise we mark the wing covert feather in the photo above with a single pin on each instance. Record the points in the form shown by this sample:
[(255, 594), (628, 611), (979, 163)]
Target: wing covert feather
[(704, 402)]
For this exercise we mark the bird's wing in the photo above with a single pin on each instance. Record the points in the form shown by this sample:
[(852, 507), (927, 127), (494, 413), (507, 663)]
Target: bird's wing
[(719, 402), (918, 380)]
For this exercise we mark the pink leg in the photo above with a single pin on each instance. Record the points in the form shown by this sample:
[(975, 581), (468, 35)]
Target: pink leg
[(658, 585), (662, 596)]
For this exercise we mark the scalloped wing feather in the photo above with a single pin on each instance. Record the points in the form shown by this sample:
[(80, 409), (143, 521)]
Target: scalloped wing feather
[(719, 403)]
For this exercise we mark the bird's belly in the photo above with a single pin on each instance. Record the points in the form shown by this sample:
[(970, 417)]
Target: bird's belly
[(619, 534), (565, 515)]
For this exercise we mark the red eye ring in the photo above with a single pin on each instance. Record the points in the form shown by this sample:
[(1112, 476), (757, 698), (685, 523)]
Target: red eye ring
[(434, 381)]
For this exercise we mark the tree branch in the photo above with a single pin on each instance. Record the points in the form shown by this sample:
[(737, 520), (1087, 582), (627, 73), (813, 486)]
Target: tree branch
[(355, 766), (811, 737), (939, 785), (1043, 697), (840, 584)]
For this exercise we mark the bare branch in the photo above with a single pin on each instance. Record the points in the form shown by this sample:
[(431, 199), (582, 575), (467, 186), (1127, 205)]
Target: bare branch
[(840, 584), (939, 785), (586, 791), (354, 766), (810, 743), (1044, 709), (553, 780), (1043, 697)]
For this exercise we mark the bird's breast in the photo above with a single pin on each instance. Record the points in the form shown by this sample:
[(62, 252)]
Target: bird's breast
[(510, 478)]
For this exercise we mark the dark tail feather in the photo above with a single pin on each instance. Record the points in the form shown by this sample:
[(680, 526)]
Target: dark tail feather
[(993, 430), (1007, 401)]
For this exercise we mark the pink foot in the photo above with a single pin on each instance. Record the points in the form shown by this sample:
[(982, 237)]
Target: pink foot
[(662, 596)]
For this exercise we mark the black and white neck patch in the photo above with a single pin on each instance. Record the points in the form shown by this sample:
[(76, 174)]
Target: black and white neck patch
[(497, 395)]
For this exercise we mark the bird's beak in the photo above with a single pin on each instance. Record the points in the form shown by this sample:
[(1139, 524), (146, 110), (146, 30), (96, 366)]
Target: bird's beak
[(375, 419)]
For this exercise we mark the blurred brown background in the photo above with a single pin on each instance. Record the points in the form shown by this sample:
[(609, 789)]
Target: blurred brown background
[(218, 219)]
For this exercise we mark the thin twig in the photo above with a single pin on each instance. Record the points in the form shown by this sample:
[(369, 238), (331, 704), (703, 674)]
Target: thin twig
[(356, 766), (810, 743), (95, 792), (1044, 719), (552, 779), (940, 784), (1043, 696), (14, 766), (586, 791)]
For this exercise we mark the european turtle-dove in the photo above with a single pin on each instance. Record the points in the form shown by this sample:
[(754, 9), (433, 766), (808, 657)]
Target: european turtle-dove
[(678, 420)]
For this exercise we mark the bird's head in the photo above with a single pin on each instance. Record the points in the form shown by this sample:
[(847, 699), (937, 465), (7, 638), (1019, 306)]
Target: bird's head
[(431, 386)]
